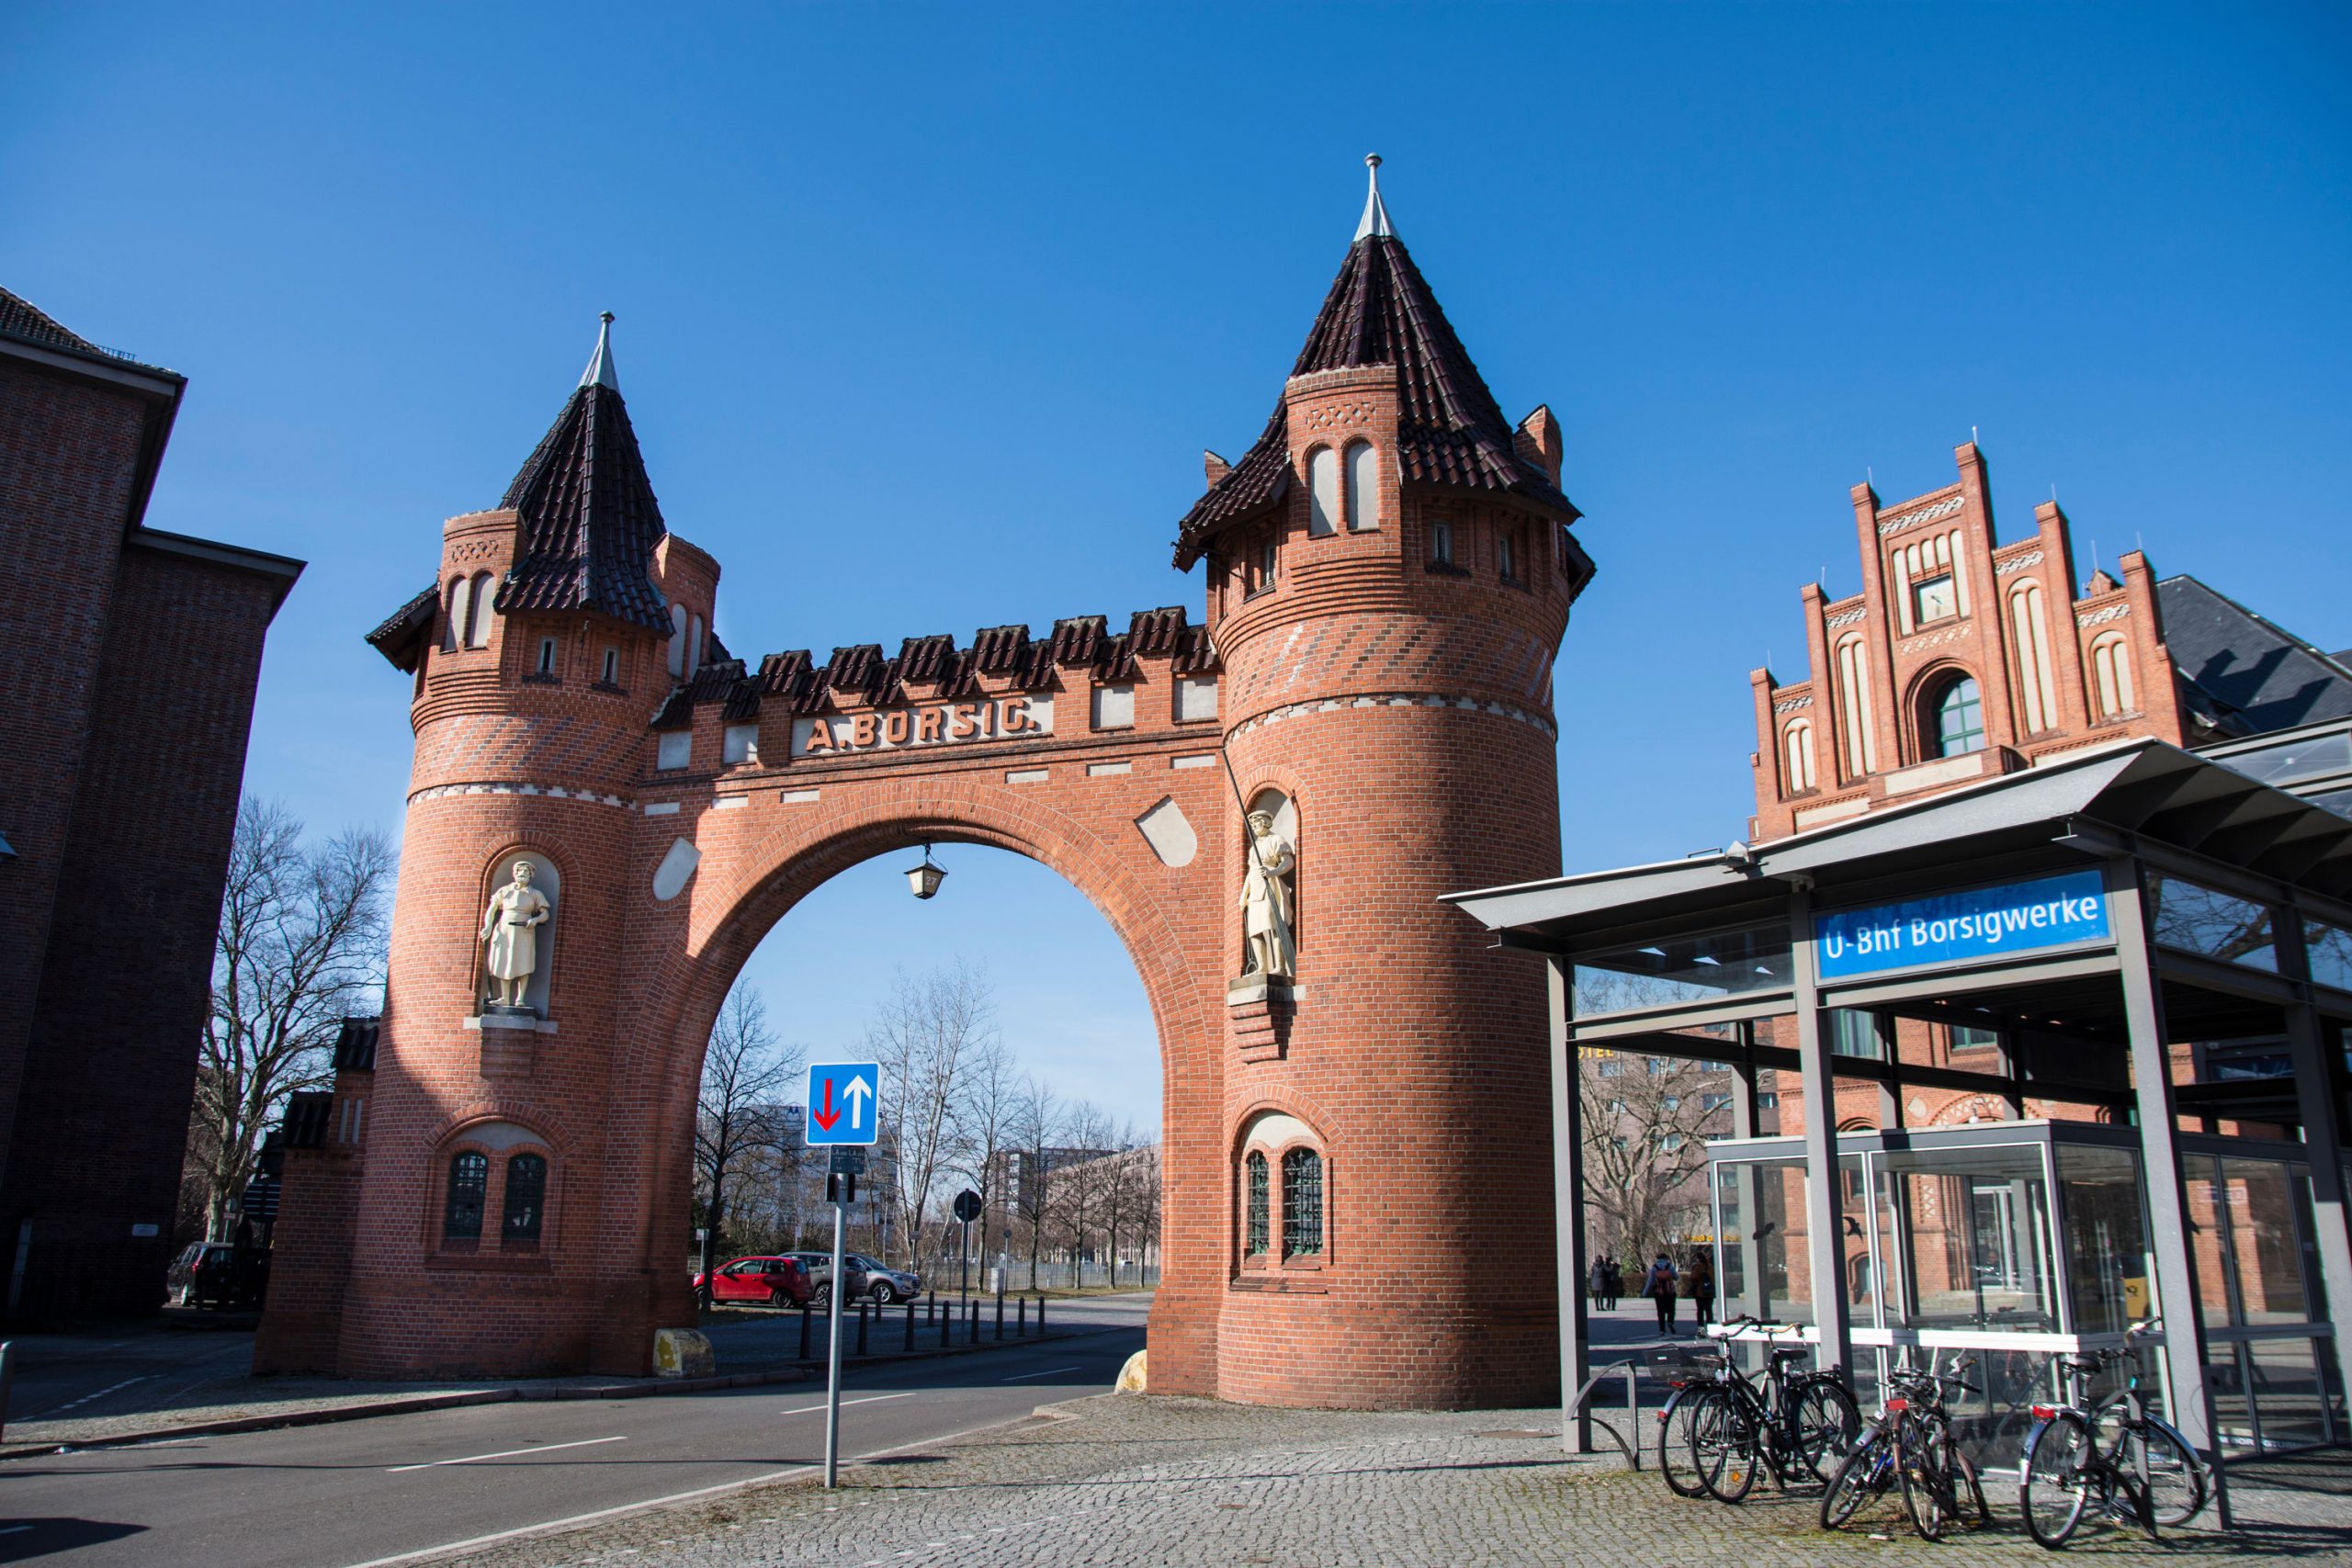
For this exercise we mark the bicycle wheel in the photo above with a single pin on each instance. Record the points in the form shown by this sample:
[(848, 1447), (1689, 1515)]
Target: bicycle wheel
[(1826, 1424), (1674, 1443), (1924, 1460), (1866, 1472), (2161, 1462), (1723, 1446), (2053, 1478)]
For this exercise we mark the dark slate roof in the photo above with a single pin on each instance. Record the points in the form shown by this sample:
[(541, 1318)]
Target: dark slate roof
[(864, 677), (589, 519), (403, 637), (2245, 676), (1450, 430), (354, 1047), (27, 323)]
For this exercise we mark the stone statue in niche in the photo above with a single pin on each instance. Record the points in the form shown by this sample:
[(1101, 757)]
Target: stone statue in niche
[(1266, 901), (511, 927)]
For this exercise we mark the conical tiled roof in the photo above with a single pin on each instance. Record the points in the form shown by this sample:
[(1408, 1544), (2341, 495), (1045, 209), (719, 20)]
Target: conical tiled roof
[(1450, 430), (589, 518)]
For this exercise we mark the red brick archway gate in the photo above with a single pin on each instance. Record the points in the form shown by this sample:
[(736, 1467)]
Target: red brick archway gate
[(1357, 1173)]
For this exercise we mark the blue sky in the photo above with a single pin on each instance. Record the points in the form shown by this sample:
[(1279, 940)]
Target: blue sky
[(926, 313)]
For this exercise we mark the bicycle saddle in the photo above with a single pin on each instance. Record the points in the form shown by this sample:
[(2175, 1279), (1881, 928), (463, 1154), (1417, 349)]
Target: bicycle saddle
[(1788, 1353)]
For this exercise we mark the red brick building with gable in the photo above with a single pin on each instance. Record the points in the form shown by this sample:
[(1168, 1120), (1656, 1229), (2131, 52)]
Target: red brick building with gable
[(128, 665), (1962, 658), (1389, 572)]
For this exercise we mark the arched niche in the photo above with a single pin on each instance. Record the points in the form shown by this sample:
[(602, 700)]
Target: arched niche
[(1274, 803), (548, 881)]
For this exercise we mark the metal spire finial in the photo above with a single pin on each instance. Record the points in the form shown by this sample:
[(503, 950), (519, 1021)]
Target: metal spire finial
[(600, 372), (1376, 213)]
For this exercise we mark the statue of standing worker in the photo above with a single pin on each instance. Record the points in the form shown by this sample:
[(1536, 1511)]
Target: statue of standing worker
[(511, 927), (1266, 901)]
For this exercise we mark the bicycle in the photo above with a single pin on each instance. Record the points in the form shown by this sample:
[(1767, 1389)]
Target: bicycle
[(2146, 1473), (1795, 1426), (1910, 1445)]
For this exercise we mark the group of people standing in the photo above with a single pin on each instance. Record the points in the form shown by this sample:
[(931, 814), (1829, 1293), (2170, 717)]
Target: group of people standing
[(1663, 1283)]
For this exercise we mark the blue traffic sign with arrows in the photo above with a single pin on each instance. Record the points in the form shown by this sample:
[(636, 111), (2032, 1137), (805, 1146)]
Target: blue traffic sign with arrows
[(844, 1103)]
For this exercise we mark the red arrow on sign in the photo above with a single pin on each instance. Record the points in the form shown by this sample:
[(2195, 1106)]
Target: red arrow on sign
[(828, 1116)]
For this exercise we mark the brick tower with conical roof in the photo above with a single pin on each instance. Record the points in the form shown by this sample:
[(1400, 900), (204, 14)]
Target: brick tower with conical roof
[(558, 621), (1390, 572)]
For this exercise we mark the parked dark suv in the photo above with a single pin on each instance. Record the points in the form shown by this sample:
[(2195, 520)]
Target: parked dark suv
[(216, 1274), (866, 1278)]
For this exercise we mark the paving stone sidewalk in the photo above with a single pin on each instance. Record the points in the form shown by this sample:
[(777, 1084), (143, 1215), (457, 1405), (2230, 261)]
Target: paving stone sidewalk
[(1126, 1479)]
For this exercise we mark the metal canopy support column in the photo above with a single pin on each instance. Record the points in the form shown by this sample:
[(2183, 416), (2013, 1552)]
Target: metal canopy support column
[(1746, 1194), (2317, 1075), (1567, 1213), (1825, 1226), (2177, 1293)]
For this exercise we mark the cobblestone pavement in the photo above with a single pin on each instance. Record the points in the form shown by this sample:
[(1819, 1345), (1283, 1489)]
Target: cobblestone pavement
[(1120, 1479)]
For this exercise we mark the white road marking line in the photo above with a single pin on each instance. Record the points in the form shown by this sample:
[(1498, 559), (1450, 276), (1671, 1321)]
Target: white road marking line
[(1050, 1371), (14, 1530), (116, 1388), (546, 1527), (869, 1399), (508, 1453)]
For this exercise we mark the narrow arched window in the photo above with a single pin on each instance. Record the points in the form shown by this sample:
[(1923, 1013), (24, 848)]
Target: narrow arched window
[(1854, 708), (677, 639), (612, 672), (693, 646), (1254, 1232), (1364, 488), (1322, 492), (2111, 672), (1302, 1203), (1959, 713), (453, 624), (469, 1184), (1441, 542), (1798, 752), (478, 613), (526, 1195), (546, 655), (2029, 636)]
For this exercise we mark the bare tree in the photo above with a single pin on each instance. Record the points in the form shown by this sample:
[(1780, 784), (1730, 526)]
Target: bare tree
[(1122, 1198), (1037, 1121), (745, 1077), (1645, 1124), (301, 943), (1079, 1187), (986, 1108), (929, 1033)]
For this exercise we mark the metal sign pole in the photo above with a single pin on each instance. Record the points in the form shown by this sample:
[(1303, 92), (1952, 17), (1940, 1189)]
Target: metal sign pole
[(833, 1357)]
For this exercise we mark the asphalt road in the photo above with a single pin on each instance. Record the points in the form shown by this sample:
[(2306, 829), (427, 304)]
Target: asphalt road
[(376, 1492)]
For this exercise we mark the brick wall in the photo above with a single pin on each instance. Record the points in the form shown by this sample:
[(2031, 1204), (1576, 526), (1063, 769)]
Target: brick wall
[(112, 1065)]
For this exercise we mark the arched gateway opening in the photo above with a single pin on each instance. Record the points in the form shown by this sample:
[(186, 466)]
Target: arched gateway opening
[(1357, 1199)]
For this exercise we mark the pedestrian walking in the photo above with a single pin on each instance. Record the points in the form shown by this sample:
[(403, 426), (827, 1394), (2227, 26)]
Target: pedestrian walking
[(1616, 1283), (1658, 1284), (1703, 1289), (1597, 1284)]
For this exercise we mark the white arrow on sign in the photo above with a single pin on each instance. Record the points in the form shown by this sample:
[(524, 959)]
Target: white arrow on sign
[(857, 1094)]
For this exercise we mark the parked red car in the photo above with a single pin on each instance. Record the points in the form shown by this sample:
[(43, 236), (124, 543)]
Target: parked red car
[(778, 1281)]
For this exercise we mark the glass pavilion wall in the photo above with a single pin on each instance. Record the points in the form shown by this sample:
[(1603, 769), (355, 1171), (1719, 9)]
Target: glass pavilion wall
[(2016, 1242)]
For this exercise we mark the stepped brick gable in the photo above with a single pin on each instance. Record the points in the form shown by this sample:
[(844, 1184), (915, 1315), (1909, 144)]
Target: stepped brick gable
[(1358, 1196)]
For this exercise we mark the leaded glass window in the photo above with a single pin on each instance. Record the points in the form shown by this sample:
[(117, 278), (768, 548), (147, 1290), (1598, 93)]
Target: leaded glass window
[(469, 1184), (1302, 1203), (1254, 1244), (526, 1192)]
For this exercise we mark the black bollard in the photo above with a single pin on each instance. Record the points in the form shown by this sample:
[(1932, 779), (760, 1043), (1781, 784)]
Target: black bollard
[(1040, 1314), (804, 1331), (947, 1329), (865, 1316), (910, 1325), (972, 1328), (1021, 1326), (999, 1314)]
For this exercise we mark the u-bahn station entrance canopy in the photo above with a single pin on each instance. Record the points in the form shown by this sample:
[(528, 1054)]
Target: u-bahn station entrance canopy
[(2048, 1055)]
